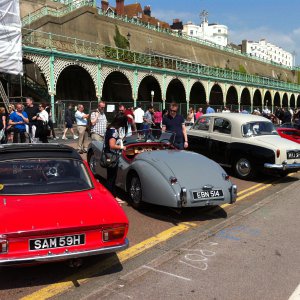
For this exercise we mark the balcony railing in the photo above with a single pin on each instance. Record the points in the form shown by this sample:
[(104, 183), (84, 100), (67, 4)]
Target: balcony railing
[(51, 41)]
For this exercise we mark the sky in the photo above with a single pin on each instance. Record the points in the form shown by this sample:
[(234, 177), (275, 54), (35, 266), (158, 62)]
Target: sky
[(278, 21)]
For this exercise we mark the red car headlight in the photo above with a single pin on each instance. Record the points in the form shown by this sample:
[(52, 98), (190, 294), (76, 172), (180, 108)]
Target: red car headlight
[(111, 234), (3, 244)]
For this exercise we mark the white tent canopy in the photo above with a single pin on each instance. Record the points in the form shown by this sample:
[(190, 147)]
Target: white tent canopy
[(10, 37)]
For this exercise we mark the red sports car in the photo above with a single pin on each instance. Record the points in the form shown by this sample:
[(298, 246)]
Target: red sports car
[(52, 208), (292, 134)]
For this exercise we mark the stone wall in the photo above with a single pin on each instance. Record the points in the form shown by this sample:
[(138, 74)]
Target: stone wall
[(86, 24)]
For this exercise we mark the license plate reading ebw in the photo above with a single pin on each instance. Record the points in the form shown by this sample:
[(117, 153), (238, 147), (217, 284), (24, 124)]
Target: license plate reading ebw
[(212, 194), (57, 242)]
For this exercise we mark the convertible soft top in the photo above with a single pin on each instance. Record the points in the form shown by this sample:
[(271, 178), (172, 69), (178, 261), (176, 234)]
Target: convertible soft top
[(21, 151)]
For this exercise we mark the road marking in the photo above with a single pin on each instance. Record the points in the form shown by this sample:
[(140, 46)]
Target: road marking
[(167, 273), (60, 287), (296, 294)]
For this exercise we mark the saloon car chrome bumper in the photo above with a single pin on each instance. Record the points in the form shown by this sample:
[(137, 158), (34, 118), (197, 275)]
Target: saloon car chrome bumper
[(64, 256), (283, 167)]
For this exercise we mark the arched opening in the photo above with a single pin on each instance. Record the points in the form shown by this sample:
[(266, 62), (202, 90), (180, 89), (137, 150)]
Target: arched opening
[(198, 95), (268, 99), (216, 97), (75, 83), (117, 88), (232, 99), (285, 100), (277, 100), (257, 100), (293, 101), (176, 92), (298, 101), (147, 85), (246, 100)]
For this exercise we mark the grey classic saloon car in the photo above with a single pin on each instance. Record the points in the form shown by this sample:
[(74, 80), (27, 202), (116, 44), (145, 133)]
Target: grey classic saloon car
[(246, 143), (151, 170)]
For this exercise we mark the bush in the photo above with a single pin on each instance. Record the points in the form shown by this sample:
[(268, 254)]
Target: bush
[(120, 40)]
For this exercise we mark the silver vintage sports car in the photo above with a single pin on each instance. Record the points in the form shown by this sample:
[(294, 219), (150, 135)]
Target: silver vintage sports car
[(151, 170)]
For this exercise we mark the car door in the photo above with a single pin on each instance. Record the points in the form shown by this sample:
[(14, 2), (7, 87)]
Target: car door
[(219, 140), (198, 136)]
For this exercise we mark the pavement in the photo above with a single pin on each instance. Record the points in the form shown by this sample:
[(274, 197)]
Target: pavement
[(253, 255)]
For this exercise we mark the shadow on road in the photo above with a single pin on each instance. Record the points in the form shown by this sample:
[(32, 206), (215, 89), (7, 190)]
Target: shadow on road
[(45, 274)]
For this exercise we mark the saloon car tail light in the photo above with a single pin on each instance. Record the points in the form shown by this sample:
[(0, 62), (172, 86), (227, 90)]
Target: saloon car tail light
[(111, 234), (3, 244), (278, 153)]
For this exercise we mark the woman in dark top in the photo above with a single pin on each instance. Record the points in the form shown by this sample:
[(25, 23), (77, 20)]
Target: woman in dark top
[(110, 144), (2, 124)]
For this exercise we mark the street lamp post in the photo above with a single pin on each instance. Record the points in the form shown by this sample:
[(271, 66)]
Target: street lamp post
[(152, 97)]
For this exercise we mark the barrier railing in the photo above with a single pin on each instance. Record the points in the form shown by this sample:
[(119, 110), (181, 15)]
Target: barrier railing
[(73, 5), (72, 45)]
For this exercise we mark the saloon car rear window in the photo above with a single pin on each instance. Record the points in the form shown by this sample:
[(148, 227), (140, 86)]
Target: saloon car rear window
[(258, 128), (43, 176)]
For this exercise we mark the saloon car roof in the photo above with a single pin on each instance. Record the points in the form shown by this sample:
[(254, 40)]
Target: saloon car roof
[(237, 117), (21, 151)]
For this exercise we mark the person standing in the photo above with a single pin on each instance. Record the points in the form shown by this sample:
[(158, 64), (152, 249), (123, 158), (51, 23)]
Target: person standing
[(130, 120), (191, 116), (174, 122), (50, 122), (157, 117), (138, 117), (69, 120), (2, 125), (42, 124), (110, 144), (209, 110), (98, 122), (18, 119), (9, 132), (148, 118), (199, 113), (81, 121), (31, 110)]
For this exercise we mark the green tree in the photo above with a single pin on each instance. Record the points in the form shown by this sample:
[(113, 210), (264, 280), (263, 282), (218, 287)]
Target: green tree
[(242, 69), (120, 40)]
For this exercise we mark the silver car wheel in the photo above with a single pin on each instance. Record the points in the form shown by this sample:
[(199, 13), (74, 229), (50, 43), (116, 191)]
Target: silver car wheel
[(92, 163), (135, 190), (243, 167)]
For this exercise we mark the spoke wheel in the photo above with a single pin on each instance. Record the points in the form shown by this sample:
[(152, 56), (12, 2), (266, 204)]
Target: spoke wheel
[(244, 168), (135, 192)]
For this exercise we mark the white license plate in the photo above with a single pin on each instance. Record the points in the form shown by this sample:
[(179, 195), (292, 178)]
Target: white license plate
[(57, 242), (212, 194)]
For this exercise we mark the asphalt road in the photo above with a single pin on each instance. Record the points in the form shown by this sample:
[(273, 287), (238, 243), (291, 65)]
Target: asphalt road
[(158, 233)]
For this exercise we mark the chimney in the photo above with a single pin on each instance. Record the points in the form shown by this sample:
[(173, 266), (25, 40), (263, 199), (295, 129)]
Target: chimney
[(120, 7), (147, 10), (104, 5)]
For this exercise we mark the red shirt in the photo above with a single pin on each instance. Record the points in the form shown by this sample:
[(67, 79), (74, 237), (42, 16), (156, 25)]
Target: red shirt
[(157, 117), (199, 114), (127, 113)]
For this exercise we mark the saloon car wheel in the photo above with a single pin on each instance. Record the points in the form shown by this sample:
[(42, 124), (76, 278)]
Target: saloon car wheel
[(92, 162), (135, 192), (243, 168)]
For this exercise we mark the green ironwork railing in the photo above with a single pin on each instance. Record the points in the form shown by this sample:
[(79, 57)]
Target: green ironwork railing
[(51, 41), (75, 4)]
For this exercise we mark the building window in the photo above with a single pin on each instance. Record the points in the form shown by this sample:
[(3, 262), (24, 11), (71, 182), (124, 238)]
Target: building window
[(191, 32)]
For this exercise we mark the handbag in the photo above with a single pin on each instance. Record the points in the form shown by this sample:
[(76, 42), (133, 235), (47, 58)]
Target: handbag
[(109, 159), (2, 134)]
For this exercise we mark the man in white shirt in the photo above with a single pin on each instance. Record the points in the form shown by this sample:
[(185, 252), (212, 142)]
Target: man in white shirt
[(139, 117), (81, 121), (98, 122)]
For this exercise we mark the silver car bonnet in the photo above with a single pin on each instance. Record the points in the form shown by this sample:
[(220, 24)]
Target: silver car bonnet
[(192, 170)]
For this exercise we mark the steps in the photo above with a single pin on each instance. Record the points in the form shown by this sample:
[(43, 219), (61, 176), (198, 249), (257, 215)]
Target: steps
[(4, 96)]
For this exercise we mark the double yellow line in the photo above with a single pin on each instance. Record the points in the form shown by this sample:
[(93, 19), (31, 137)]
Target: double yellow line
[(60, 287)]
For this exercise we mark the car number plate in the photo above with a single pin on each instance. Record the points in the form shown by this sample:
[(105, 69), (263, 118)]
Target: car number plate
[(293, 154), (57, 242), (203, 195)]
